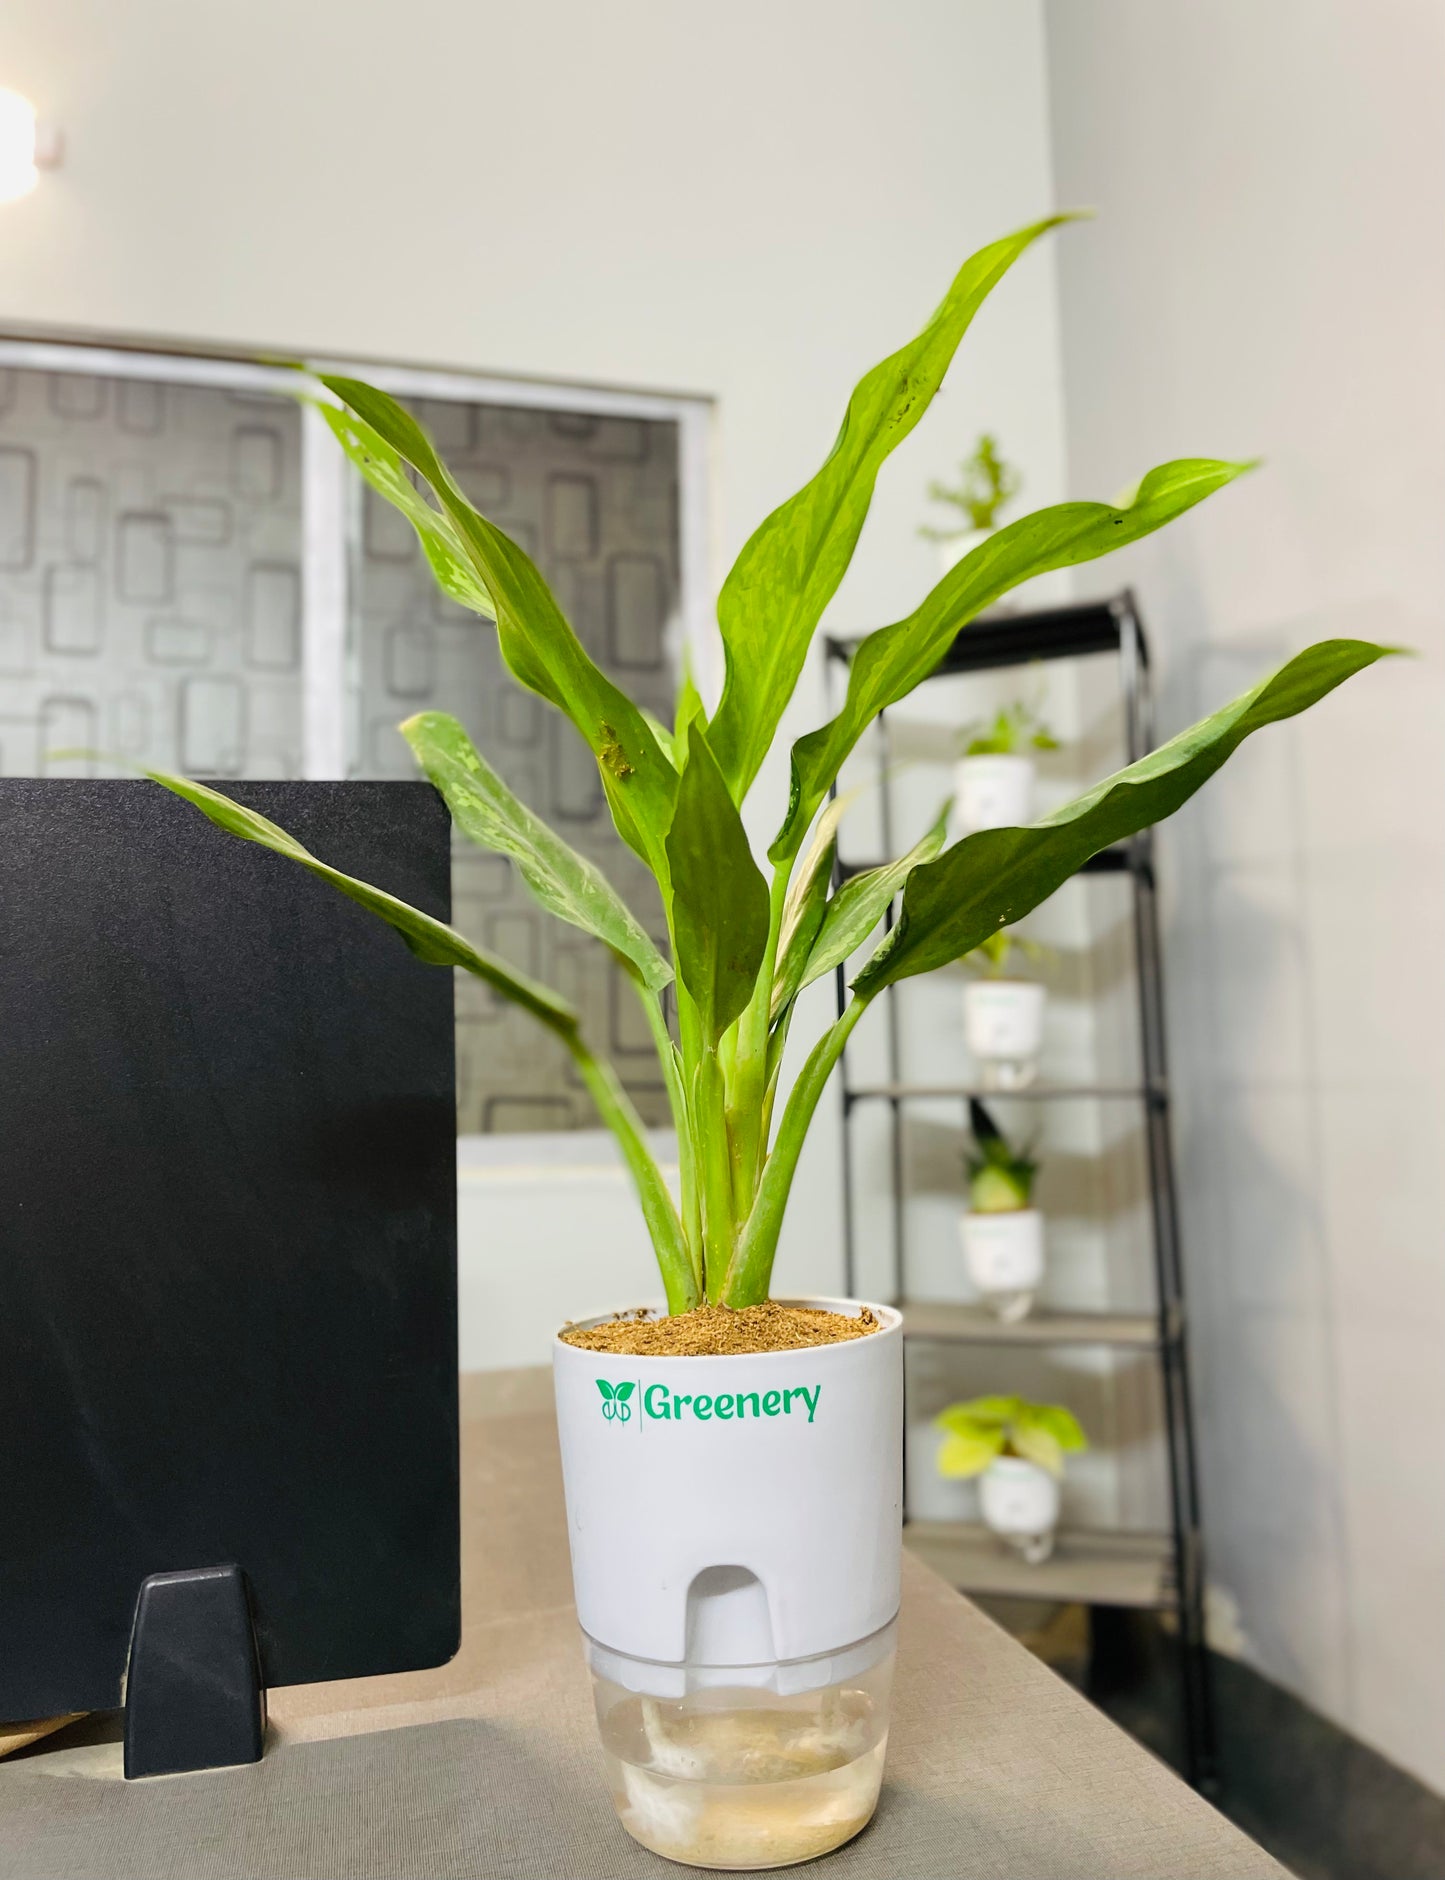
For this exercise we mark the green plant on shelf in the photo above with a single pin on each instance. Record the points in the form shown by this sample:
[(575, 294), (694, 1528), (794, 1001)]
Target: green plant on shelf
[(746, 936), (992, 956), (1013, 730), (1000, 1177), (985, 484), (978, 1432)]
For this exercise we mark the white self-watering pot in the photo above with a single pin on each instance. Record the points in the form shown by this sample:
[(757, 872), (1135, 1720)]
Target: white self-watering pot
[(1003, 1254), (1020, 1503), (1003, 1025), (993, 791), (735, 1525)]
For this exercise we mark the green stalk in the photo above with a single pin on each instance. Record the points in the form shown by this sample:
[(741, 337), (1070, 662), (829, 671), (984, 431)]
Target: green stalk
[(719, 1219), (668, 1058), (751, 1268), (688, 1057), (747, 1093), (777, 1045), (668, 1240)]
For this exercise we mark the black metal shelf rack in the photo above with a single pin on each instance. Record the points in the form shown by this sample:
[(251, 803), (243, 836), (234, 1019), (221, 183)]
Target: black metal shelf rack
[(1165, 1571)]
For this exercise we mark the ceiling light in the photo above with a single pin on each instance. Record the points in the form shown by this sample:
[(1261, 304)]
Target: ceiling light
[(25, 146)]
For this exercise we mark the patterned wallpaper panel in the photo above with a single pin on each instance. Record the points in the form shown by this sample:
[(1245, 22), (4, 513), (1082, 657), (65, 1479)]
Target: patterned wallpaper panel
[(150, 587), (594, 501)]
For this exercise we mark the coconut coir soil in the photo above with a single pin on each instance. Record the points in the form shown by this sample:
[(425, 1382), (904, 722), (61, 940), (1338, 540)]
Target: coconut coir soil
[(718, 1331)]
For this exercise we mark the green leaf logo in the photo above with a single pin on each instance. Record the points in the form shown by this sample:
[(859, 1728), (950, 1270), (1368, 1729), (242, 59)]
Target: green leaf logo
[(605, 1388), (615, 1406)]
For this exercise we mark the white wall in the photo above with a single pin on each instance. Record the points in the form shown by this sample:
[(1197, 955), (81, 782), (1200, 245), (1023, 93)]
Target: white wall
[(1267, 275), (753, 202)]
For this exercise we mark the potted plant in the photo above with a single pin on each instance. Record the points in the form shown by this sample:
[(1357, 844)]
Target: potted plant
[(735, 1523), (994, 778), (985, 484), (1016, 1449), (1003, 1015), (1002, 1233)]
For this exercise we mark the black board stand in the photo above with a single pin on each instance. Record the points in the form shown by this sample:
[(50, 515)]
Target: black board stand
[(194, 1697)]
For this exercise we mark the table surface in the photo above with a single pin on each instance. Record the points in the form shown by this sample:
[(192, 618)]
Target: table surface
[(490, 1767)]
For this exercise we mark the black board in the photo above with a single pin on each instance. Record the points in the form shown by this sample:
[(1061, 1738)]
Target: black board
[(227, 1232)]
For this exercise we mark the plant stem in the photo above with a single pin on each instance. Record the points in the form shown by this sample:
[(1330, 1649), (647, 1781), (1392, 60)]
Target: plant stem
[(667, 1057), (751, 1267), (747, 1091), (668, 1240), (714, 1154)]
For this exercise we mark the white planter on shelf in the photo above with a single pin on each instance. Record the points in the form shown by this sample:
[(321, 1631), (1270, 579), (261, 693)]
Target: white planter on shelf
[(1003, 1025), (1020, 1503), (993, 791), (1003, 1254), (735, 1526)]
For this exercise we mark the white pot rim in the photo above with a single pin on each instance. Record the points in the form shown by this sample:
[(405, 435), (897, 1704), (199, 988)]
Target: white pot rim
[(890, 1322)]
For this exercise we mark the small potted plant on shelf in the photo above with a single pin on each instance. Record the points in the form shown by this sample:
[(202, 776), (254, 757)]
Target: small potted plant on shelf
[(1016, 1449), (994, 777), (1003, 1015), (735, 1519), (985, 484), (1002, 1232)]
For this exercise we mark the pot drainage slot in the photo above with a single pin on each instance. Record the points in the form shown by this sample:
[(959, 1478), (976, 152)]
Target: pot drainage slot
[(728, 1621)]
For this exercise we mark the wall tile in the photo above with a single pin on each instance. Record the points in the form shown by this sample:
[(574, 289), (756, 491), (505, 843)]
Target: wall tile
[(17, 507), (125, 559)]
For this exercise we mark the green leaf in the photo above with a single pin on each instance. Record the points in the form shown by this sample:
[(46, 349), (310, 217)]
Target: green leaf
[(994, 877), (604, 1387), (803, 911), (965, 1453), (1001, 1179), (996, 1190), (795, 941), (537, 643), (660, 731), (1038, 1445), (689, 703), (623, 1392), (805, 902), (563, 881), (789, 569), (1014, 728), (986, 1131), (858, 906), (993, 1412), (1058, 1423), (383, 469), (891, 661), (430, 939), (719, 898)]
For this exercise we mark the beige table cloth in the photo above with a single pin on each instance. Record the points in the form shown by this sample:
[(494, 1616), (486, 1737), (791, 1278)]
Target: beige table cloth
[(489, 1767)]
